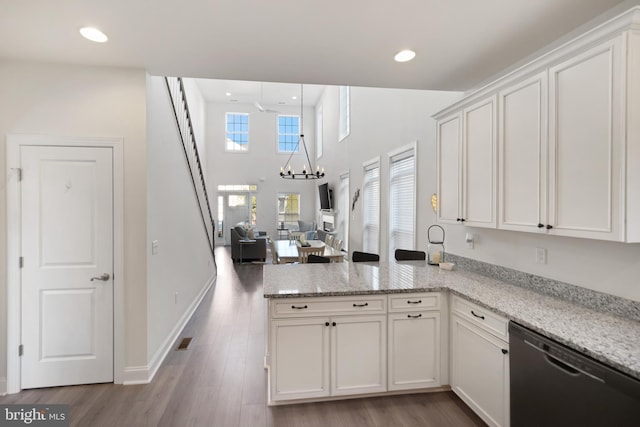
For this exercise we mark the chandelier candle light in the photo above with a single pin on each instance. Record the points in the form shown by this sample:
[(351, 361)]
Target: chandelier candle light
[(286, 172)]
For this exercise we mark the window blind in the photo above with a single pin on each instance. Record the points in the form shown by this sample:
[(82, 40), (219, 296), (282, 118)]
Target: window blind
[(402, 186), (371, 207)]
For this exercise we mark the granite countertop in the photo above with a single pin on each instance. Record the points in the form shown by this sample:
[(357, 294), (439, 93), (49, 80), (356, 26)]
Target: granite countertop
[(605, 337)]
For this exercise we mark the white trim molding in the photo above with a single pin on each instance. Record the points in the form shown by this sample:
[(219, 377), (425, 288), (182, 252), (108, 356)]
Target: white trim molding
[(14, 250)]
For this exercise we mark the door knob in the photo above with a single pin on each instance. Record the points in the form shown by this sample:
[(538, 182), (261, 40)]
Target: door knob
[(104, 277)]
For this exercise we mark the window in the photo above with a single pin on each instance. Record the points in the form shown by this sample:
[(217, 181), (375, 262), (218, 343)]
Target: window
[(371, 206), (288, 209), (319, 131), (344, 125), (220, 216), (237, 187), (343, 210), (236, 200), (237, 131), (288, 134), (402, 205)]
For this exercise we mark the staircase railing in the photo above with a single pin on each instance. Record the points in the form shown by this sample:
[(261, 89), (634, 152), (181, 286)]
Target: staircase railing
[(178, 96)]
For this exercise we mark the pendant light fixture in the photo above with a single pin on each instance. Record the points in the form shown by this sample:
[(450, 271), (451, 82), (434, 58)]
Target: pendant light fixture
[(286, 171)]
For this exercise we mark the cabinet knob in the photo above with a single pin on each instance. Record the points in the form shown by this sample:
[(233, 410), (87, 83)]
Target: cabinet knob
[(326, 324), (505, 351), (458, 219), (333, 324), (462, 220), (540, 225), (549, 226)]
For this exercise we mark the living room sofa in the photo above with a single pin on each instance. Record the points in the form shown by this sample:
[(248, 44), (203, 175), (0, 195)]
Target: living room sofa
[(254, 251)]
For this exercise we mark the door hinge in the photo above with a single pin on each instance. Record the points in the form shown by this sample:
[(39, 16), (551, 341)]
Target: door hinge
[(20, 350), (21, 262)]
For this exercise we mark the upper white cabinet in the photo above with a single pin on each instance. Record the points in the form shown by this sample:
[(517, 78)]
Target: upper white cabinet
[(467, 165), (522, 154), (568, 142), (586, 144)]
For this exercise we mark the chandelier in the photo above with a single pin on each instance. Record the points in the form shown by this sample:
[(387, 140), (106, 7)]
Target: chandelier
[(286, 171)]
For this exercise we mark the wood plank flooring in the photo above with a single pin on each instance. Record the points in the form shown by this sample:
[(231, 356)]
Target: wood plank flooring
[(220, 380)]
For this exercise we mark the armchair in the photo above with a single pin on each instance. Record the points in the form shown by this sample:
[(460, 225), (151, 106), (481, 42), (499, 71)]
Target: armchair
[(256, 250)]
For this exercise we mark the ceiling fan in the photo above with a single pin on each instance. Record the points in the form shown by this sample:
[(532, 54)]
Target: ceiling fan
[(259, 106)]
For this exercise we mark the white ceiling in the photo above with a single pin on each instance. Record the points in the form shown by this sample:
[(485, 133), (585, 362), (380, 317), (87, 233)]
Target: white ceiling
[(269, 95), (459, 43)]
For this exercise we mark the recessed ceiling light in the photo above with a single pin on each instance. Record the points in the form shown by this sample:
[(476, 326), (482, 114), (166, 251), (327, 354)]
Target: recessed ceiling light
[(93, 34), (404, 55), (228, 93), (294, 97)]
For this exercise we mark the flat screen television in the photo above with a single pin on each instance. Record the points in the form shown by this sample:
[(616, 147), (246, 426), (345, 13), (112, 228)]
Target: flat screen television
[(325, 196)]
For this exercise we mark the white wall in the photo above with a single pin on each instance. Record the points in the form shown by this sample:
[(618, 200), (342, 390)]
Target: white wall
[(261, 165), (383, 120), (183, 264), (84, 101)]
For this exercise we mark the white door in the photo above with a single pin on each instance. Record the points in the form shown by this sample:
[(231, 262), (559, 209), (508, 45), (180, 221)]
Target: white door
[(67, 241)]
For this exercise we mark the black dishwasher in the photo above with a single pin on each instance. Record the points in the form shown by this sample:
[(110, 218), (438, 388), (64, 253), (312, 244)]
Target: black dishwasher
[(553, 385)]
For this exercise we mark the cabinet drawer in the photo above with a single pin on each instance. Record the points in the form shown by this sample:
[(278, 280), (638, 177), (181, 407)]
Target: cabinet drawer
[(414, 301), (327, 306), (486, 319)]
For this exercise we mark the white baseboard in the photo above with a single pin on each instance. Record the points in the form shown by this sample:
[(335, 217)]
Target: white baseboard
[(3, 386), (145, 374)]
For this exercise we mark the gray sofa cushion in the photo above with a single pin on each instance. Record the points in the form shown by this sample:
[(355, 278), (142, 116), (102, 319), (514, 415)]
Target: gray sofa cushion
[(241, 231)]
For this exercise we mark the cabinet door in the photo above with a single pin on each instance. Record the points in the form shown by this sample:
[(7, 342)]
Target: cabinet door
[(300, 358), (480, 371), (449, 177), (358, 354), (586, 139), (522, 155), (414, 350), (479, 164)]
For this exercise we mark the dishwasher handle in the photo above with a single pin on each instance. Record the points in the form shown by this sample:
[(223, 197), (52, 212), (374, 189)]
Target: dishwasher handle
[(557, 362)]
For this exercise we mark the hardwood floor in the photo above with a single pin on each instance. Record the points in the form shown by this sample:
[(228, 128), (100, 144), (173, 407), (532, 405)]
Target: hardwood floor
[(220, 380)]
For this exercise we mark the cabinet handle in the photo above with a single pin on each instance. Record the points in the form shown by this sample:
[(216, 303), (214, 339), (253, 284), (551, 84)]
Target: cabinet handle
[(549, 226), (458, 219), (326, 323), (505, 351), (333, 324), (479, 316), (414, 317), (462, 220), (540, 225), (299, 308), (361, 305), (414, 302)]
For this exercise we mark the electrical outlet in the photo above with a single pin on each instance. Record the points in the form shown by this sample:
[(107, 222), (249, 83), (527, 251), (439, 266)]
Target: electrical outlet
[(469, 240), (541, 255)]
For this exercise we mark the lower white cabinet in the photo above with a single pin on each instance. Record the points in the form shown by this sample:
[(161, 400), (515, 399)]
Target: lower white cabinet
[(480, 370), (328, 356), (414, 350)]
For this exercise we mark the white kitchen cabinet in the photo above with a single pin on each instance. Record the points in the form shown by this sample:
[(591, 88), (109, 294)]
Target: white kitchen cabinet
[(327, 346), (414, 350), (358, 354), (522, 155), (480, 360), (467, 146), (449, 169), (300, 358), (586, 144)]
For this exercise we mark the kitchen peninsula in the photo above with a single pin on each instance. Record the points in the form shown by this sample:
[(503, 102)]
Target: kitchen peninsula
[(379, 305)]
